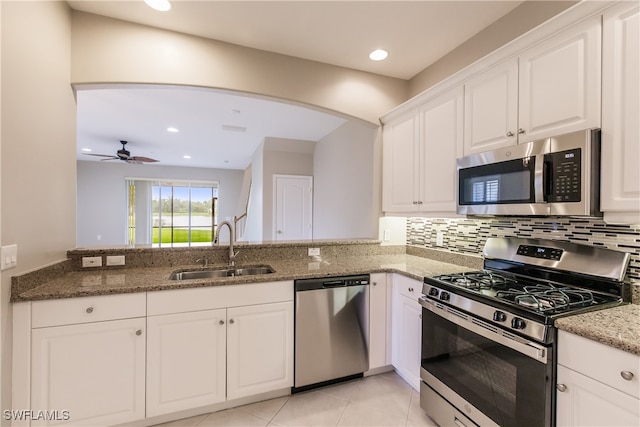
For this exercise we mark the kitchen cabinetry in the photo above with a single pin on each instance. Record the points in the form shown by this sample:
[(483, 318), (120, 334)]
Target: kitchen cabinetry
[(597, 385), (620, 178), (420, 151), (379, 322), (88, 358), (208, 345), (406, 334), (549, 89)]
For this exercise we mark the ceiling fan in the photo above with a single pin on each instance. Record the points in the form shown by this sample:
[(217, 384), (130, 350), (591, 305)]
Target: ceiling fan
[(124, 155)]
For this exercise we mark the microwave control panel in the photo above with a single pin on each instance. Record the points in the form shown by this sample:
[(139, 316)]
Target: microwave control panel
[(565, 175)]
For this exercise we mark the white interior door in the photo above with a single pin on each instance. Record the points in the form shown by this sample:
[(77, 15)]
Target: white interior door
[(292, 207)]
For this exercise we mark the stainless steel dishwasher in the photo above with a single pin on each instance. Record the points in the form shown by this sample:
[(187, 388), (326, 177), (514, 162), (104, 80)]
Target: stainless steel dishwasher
[(331, 330)]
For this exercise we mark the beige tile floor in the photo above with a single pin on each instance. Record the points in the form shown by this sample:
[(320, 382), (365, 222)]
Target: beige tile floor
[(380, 400)]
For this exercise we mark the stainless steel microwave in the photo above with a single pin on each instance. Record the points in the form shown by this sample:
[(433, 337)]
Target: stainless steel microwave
[(551, 176)]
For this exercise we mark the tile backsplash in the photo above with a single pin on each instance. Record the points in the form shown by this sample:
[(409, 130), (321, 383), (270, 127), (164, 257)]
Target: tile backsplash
[(467, 235)]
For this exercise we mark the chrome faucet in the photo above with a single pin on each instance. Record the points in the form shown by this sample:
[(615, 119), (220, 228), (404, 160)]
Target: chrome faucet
[(232, 254)]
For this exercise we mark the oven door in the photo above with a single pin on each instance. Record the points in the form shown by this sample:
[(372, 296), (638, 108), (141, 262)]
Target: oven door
[(507, 181), (487, 374)]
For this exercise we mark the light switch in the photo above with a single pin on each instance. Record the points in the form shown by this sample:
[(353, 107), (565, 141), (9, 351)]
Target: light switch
[(9, 257)]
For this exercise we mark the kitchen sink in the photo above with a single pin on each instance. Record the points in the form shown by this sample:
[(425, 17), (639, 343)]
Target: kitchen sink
[(224, 272)]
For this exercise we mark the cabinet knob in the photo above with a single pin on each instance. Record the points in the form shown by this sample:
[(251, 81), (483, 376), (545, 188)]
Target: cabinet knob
[(627, 375), (139, 332), (89, 310), (374, 283), (561, 387), (510, 134), (520, 131), (410, 289), (221, 322), (419, 202), (231, 322)]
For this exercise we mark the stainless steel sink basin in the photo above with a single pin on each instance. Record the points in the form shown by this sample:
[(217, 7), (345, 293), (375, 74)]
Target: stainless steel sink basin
[(226, 272)]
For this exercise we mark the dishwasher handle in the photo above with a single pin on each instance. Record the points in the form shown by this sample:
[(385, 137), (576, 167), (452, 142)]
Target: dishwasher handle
[(335, 284)]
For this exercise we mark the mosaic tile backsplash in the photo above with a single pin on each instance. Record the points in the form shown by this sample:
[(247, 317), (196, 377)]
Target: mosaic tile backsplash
[(467, 235)]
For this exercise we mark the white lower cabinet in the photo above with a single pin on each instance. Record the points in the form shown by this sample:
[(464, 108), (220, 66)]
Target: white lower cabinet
[(379, 321), (597, 385), (206, 347), (406, 329), (89, 374), (186, 360)]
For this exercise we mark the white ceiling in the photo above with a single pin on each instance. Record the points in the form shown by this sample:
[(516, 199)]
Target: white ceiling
[(416, 34)]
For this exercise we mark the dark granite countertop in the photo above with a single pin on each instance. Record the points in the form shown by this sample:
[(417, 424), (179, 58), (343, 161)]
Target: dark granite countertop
[(617, 327), (104, 282)]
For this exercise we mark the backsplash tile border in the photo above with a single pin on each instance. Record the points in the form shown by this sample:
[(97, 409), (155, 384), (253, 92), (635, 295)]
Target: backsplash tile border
[(468, 235)]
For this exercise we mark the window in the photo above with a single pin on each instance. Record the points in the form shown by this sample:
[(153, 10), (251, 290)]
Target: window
[(172, 213)]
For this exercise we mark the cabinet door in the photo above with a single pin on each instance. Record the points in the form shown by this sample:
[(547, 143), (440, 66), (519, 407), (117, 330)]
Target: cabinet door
[(442, 142), (259, 349), (586, 402), (491, 109), (186, 361), (620, 110), (95, 371), (559, 86), (407, 332), (401, 159), (379, 321)]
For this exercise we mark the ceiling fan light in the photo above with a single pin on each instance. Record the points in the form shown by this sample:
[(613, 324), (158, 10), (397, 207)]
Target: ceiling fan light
[(160, 5), (378, 55)]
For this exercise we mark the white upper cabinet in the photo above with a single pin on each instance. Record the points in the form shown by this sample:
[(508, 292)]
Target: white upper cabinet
[(400, 169), (620, 178), (491, 109), (559, 83), (549, 89), (420, 151)]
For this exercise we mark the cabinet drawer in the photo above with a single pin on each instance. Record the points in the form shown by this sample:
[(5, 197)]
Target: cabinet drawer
[(214, 297), (600, 362), (408, 287), (88, 309)]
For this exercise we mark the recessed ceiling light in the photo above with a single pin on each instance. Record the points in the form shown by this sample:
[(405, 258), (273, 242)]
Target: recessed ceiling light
[(232, 128), (378, 55), (87, 150), (186, 156), (161, 5), (172, 129)]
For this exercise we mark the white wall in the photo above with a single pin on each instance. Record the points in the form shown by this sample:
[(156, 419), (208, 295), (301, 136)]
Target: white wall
[(253, 227), (102, 200), (38, 147), (345, 191)]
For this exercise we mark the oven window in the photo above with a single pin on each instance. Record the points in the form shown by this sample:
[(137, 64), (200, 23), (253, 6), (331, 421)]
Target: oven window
[(505, 385)]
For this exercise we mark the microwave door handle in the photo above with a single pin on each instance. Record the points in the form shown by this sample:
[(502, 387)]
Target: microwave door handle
[(540, 179), (548, 180)]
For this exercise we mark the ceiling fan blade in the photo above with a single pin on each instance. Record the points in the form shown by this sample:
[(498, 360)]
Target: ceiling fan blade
[(101, 155), (143, 159)]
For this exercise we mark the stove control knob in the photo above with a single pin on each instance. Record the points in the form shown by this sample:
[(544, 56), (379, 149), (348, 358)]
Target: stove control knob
[(499, 316), (517, 323), (433, 292), (444, 296)]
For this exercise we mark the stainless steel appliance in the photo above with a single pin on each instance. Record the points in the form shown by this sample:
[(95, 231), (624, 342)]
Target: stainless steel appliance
[(552, 176), (488, 340), (331, 329)]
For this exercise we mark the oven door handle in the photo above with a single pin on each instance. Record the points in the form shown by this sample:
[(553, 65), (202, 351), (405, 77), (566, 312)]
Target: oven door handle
[(486, 330)]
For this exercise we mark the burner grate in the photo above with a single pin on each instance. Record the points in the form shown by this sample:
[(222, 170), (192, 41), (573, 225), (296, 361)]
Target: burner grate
[(548, 299)]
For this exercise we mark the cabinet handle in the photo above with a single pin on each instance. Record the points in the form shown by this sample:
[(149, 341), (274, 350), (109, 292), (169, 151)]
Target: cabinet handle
[(419, 202), (627, 375), (410, 289), (520, 131), (509, 134), (139, 332), (375, 283), (221, 322), (89, 310), (231, 322), (561, 387)]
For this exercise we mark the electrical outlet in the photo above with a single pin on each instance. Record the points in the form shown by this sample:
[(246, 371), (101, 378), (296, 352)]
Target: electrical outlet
[(386, 235), (314, 251), (115, 260), (91, 261), (439, 238)]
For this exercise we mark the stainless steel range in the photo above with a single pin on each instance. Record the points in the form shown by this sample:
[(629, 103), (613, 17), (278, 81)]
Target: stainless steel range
[(488, 340)]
